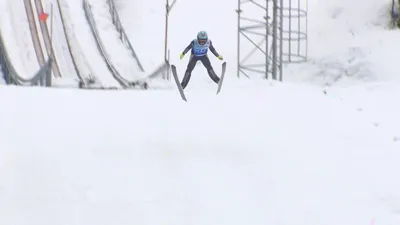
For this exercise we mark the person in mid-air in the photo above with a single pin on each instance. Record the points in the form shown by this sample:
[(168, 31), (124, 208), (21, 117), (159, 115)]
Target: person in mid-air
[(199, 47)]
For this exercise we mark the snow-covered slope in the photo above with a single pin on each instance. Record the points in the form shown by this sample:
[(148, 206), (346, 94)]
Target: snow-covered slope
[(144, 23), (259, 153), (349, 43), (77, 54), (60, 45), (267, 154), (118, 53), (84, 38), (16, 34)]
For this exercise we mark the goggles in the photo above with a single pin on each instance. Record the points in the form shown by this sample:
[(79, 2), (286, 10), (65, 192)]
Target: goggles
[(202, 41)]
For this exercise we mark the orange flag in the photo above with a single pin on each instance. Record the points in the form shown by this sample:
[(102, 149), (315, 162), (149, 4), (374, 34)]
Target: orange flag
[(43, 16)]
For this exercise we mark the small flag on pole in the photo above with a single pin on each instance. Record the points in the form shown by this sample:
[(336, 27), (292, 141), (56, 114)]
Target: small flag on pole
[(43, 16)]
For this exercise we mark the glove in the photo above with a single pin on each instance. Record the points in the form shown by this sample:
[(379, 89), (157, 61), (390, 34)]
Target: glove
[(182, 55), (220, 57)]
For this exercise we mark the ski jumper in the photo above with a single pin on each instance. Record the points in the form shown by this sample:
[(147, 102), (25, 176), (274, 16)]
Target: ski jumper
[(199, 52)]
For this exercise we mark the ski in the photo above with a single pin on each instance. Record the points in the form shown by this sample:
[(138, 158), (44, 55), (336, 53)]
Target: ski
[(222, 77), (178, 84)]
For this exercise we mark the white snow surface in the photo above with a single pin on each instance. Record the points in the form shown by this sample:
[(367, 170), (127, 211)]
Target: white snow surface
[(39, 30), (85, 39), (144, 23), (60, 44), (261, 152), (17, 37), (345, 49), (268, 154), (119, 54), (82, 64)]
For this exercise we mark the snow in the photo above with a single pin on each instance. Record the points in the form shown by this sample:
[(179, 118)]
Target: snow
[(84, 38), (285, 154), (322, 148), (39, 30), (345, 49), (60, 44), (16, 34), (76, 50), (146, 18), (120, 56)]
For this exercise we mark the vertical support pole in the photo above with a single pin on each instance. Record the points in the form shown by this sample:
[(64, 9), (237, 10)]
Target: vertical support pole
[(394, 14), (306, 14), (281, 41), (239, 10), (168, 68), (266, 40), (274, 40), (51, 40), (51, 27), (298, 26), (166, 29), (48, 74), (290, 31), (168, 8)]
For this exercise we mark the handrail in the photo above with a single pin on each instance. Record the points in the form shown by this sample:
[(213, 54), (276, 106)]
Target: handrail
[(122, 34)]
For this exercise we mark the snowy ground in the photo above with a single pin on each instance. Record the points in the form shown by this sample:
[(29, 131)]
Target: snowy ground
[(147, 19), (119, 55), (286, 154), (279, 155), (259, 153), (17, 37), (345, 49), (91, 62), (60, 44)]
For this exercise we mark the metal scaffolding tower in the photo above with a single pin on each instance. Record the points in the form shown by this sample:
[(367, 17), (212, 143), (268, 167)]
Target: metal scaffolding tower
[(276, 34)]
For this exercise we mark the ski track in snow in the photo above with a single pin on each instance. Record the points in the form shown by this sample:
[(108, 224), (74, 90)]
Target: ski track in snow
[(17, 37), (60, 43), (133, 16), (119, 54), (88, 43), (76, 49)]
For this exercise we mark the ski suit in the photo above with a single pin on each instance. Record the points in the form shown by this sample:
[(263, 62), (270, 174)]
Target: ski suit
[(199, 52)]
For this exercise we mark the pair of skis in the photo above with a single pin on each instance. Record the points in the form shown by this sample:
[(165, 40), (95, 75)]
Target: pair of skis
[(178, 84)]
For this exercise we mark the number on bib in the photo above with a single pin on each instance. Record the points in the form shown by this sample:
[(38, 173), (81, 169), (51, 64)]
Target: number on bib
[(200, 51)]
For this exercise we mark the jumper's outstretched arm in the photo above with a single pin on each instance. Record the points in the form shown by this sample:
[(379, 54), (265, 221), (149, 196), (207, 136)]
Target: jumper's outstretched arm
[(190, 46), (212, 49)]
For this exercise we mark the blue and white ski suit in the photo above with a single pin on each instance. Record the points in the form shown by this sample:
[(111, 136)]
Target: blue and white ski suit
[(199, 52)]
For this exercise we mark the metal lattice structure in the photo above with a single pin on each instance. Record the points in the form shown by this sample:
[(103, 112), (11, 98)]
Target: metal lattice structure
[(276, 34)]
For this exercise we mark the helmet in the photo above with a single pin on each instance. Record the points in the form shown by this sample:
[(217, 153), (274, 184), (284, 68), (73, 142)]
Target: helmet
[(202, 37)]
